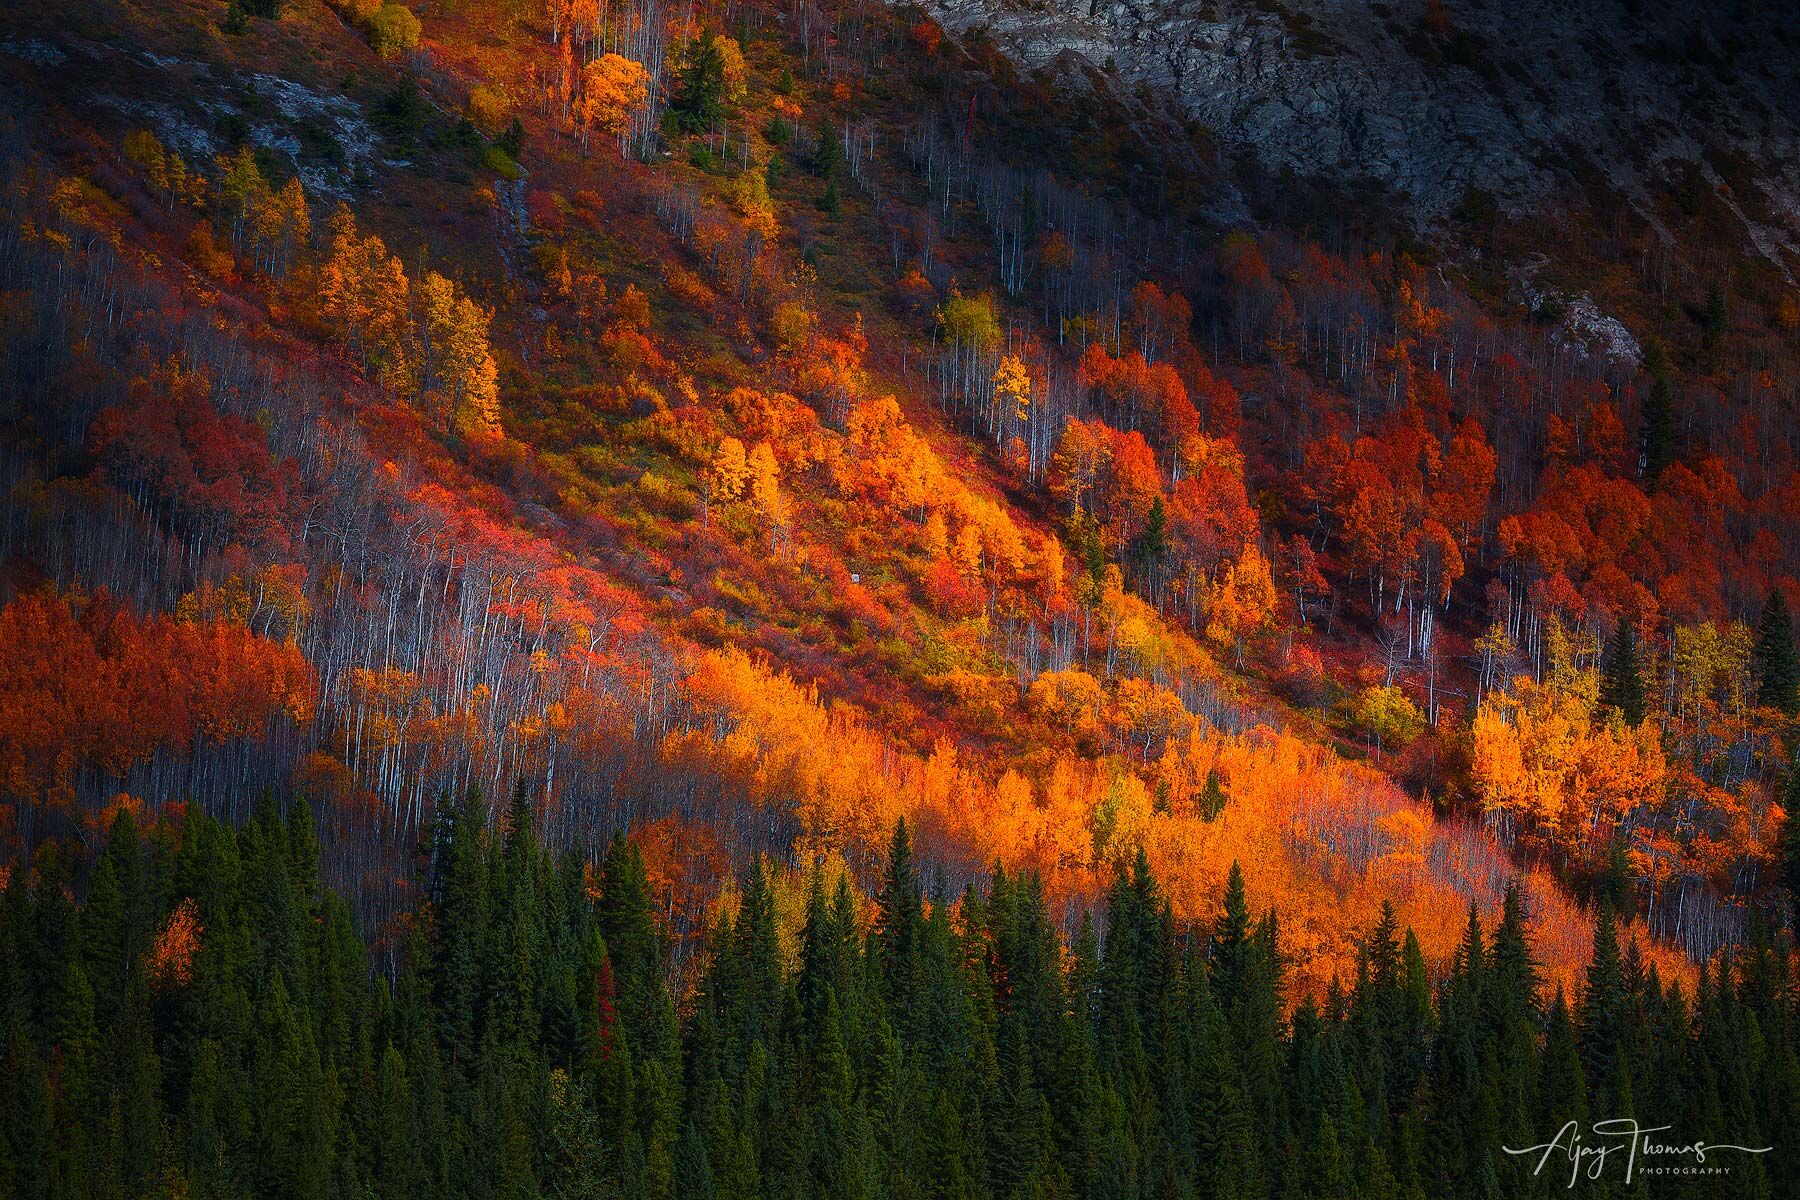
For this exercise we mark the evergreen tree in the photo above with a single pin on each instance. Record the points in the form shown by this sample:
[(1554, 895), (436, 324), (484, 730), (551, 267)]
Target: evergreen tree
[(1773, 661), (1621, 680), (1713, 322), (1604, 1004), (899, 918), (1212, 796), (1231, 942), (460, 922), (1562, 1086), (1656, 438), (1153, 543), (1789, 863), (826, 154), (699, 94), (961, 1053)]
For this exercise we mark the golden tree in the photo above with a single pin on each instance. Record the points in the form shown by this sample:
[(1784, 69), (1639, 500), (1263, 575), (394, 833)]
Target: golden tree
[(1012, 387), (612, 88), (459, 378), (726, 477), (363, 295)]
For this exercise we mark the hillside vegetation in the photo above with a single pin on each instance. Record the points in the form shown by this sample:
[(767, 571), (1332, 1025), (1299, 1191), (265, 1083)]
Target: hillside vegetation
[(751, 427)]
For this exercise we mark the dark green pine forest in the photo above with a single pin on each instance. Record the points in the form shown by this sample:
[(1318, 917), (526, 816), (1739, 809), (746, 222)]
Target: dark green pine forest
[(209, 1024)]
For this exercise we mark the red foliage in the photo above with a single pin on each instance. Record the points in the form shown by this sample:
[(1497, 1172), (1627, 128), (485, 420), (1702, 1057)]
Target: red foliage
[(92, 684), (951, 593), (171, 446)]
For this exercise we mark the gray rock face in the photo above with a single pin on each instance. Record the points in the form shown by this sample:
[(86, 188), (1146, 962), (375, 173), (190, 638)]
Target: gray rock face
[(1511, 97)]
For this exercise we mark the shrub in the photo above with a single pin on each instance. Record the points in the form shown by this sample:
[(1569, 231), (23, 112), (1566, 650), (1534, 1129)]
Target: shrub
[(393, 31), (790, 324), (496, 160), (489, 110), (359, 13)]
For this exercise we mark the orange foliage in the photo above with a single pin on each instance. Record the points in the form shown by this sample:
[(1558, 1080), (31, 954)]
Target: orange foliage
[(171, 956), (612, 88), (1321, 840)]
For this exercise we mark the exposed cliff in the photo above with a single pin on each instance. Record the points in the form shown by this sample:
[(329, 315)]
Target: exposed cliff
[(1519, 101)]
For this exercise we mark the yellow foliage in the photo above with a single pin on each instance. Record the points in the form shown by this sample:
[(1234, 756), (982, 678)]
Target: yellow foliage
[(936, 537), (1389, 716), (1243, 600), (488, 109), (1539, 759), (790, 324), (750, 199), (733, 69), (612, 88), (1121, 820), (1012, 386), (1071, 697), (729, 472), (393, 30)]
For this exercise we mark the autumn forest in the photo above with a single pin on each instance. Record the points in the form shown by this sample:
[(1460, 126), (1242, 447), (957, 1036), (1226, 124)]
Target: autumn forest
[(757, 599)]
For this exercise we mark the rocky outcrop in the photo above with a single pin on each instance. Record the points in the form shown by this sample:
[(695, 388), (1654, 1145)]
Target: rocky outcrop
[(1511, 100)]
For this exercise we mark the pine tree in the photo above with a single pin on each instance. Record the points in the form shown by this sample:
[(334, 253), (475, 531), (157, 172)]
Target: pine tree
[(755, 987), (28, 1106), (1230, 943), (1212, 796), (396, 1170), (1621, 681), (1604, 1003), (693, 1166), (899, 919), (1713, 323), (826, 154), (1137, 1071), (79, 1092), (460, 923), (1773, 661), (1562, 1086), (1656, 439), (303, 851), (631, 943), (1153, 542), (1789, 864), (698, 100)]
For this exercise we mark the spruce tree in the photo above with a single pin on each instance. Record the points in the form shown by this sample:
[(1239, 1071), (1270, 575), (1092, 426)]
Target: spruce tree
[(1010, 1077), (754, 962), (1773, 661), (1231, 943), (394, 1147), (1212, 796), (1656, 437), (1713, 322), (1562, 1085), (1789, 864), (1604, 1004), (899, 918), (698, 100), (826, 154), (1153, 543), (1621, 680), (632, 944), (460, 923)]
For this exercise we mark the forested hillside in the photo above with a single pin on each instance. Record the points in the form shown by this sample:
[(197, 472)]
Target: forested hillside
[(747, 429), (208, 1025)]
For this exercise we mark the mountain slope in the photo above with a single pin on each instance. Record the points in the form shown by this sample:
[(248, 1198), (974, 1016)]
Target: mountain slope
[(1452, 105), (753, 495)]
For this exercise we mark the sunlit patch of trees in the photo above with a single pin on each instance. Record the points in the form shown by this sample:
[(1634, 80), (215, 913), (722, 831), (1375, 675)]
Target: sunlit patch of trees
[(743, 579)]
